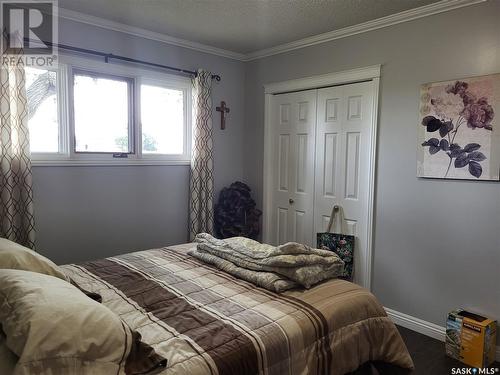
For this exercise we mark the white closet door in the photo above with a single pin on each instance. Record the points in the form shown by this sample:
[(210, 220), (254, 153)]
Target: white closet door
[(343, 137), (293, 121)]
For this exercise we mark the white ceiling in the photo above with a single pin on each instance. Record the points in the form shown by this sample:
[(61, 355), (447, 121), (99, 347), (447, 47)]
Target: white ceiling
[(241, 26)]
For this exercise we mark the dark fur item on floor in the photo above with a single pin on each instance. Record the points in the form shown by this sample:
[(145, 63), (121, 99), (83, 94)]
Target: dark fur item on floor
[(235, 213)]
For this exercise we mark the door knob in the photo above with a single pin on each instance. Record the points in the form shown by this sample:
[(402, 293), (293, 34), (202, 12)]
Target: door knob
[(291, 201)]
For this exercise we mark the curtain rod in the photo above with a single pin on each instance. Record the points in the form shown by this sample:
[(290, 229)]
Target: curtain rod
[(109, 56)]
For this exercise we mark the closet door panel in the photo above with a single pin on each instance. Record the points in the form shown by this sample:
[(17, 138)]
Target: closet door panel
[(328, 179), (343, 136), (293, 121), (282, 139), (301, 202)]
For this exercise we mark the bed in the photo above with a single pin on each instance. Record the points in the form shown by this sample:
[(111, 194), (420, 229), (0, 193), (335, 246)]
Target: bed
[(205, 321)]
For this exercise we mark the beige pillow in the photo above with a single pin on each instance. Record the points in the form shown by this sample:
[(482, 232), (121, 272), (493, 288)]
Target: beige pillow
[(53, 328), (15, 256)]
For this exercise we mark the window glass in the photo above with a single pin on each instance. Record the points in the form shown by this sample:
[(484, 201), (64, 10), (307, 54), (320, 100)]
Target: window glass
[(41, 93), (162, 120), (102, 113)]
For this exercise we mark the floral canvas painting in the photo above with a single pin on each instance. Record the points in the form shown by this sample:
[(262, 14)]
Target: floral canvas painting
[(459, 129)]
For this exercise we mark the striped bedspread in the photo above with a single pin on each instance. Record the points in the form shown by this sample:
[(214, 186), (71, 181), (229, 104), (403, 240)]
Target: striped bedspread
[(205, 321)]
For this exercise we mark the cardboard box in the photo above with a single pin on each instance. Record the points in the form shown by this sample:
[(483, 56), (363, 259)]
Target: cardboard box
[(471, 338)]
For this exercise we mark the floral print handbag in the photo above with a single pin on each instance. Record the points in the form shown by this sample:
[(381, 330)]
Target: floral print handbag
[(340, 243)]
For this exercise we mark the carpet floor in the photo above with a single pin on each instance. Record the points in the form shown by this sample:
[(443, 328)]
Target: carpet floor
[(429, 354)]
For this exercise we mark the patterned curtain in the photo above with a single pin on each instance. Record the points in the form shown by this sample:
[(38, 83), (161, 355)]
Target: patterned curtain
[(201, 189), (16, 195)]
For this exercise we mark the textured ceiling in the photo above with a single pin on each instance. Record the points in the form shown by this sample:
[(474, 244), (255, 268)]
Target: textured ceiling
[(241, 25)]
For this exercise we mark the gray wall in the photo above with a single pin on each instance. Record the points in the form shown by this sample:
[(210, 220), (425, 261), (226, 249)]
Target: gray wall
[(92, 212), (437, 242)]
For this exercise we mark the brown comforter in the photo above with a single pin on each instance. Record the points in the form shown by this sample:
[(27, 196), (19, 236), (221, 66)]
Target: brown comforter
[(205, 321)]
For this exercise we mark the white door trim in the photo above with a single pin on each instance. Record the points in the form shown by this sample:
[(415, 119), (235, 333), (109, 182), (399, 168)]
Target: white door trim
[(331, 79), (348, 76)]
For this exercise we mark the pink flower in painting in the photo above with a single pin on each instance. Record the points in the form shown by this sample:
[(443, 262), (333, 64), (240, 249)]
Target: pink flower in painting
[(459, 88), (468, 98), (479, 114)]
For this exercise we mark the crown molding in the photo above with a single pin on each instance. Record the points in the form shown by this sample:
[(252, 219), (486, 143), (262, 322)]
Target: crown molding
[(409, 15), (394, 19), (147, 34)]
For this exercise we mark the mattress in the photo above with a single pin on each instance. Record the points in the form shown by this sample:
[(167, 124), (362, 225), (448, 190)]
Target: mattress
[(205, 321)]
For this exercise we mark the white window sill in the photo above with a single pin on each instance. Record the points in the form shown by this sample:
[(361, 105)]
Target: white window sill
[(112, 163)]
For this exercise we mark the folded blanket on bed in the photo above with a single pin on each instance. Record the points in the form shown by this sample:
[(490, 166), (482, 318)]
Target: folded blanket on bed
[(297, 262), (267, 280)]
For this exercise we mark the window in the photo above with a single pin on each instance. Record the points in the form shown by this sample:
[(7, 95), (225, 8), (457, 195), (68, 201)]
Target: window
[(162, 120), (102, 113), (93, 113), (43, 123)]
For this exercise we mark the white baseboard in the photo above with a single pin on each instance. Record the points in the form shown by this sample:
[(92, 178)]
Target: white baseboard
[(417, 325), (421, 326)]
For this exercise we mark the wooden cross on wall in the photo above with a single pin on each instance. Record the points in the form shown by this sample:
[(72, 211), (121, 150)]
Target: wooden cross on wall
[(223, 110)]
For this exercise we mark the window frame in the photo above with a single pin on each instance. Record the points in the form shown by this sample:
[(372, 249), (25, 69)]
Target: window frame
[(61, 154), (131, 110), (187, 130), (67, 155)]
